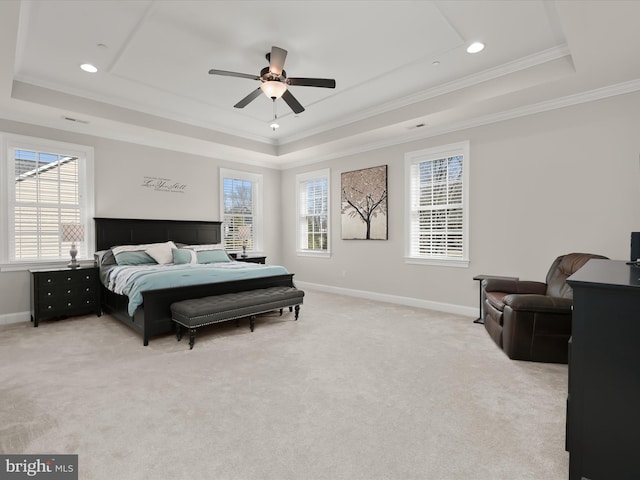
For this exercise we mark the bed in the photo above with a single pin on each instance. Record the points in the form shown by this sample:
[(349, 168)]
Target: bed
[(153, 316)]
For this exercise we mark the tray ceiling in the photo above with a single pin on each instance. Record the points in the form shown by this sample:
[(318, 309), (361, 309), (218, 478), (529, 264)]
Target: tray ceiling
[(397, 64)]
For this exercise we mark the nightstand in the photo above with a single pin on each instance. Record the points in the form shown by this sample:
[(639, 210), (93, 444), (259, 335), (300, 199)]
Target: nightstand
[(249, 258), (58, 292)]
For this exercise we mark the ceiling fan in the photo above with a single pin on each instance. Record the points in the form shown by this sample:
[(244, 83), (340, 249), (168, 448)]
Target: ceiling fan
[(275, 81)]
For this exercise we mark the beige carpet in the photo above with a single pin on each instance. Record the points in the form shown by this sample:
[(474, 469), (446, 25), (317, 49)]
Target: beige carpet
[(353, 390)]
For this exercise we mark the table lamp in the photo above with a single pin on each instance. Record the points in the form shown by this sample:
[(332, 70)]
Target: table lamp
[(244, 233), (73, 232)]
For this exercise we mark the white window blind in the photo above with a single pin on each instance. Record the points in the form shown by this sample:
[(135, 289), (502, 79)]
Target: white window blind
[(241, 205), (437, 211), (313, 212), (46, 194)]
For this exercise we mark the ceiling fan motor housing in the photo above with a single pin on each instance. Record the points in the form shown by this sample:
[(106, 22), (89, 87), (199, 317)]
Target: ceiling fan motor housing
[(267, 76)]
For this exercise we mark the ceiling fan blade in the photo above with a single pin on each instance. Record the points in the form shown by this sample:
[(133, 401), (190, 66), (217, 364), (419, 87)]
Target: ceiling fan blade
[(276, 60), (248, 99), (312, 82), (288, 97), (225, 73)]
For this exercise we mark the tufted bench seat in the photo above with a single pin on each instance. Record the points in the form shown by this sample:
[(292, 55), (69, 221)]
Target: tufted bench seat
[(198, 312)]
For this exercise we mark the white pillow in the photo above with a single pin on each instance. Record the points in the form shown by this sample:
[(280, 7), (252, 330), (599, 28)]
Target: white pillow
[(161, 252), (136, 248), (200, 248), (129, 248)]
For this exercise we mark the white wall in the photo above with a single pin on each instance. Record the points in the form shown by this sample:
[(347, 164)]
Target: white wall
[(540, 186), (563, 181), (120, 171)]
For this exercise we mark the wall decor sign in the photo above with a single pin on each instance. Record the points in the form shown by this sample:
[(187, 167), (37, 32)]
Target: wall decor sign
[(163, 185), (364, 204)]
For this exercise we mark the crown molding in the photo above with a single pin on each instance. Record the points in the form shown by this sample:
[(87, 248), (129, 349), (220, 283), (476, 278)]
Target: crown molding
[(523, 63), (540, 107)]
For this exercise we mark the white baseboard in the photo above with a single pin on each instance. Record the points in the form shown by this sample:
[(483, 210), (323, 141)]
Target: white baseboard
[(380, 297), (18, 317), (383, 297)]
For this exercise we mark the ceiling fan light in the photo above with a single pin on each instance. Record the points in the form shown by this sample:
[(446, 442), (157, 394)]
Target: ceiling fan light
[(274, 125), (273, 89)]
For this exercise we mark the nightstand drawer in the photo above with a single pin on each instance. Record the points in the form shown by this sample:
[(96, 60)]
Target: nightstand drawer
[(75, 291), (66, 277), (63, 306)]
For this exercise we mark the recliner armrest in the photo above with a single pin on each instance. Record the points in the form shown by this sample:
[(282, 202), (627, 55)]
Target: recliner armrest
[(513, 286), (539, 303)]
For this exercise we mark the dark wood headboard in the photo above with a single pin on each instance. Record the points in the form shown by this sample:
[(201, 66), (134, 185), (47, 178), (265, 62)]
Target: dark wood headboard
[(128, 231)]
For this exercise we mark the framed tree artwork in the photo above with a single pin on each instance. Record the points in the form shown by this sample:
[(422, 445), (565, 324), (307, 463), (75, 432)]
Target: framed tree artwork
[(364, 204)]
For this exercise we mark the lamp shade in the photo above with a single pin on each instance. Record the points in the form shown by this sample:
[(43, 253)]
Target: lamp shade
[(244, 232), (273, 89), (72, 232)]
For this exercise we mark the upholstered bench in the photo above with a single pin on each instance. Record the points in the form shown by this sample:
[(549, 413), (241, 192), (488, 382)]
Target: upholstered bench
[(198, 312)]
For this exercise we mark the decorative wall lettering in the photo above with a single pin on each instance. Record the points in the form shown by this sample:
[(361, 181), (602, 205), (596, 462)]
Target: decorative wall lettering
[(163, 185)]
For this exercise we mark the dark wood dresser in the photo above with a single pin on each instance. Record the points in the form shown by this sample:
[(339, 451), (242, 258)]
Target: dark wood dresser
[(58, 292), (603, 403)]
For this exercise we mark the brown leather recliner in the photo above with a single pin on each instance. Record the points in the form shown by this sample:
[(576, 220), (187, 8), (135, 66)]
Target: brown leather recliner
[(532, 320)]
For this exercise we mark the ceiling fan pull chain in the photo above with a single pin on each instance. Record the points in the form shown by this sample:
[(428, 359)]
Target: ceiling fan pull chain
[(274, 124)]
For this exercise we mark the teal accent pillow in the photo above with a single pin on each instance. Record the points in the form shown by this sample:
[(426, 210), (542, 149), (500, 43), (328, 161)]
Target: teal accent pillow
[(183, 255), (134, 258), (212, 256)]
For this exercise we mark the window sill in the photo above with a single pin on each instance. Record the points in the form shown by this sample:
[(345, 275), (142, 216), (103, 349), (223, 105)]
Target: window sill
[(310, 253), (437, 262)]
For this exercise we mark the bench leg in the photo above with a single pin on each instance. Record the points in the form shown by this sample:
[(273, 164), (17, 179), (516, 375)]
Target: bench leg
[(290, 309), (252, 322), (192, 337), (178, 332), (281, 312), (297, 311)]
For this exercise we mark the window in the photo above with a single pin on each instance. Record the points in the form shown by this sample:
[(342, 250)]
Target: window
[(437, 205), (47, 196), (241, 209), (313, 213)]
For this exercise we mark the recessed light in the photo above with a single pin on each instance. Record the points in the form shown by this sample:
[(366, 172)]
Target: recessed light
[(435, 63), (475, 47), (87, 67)]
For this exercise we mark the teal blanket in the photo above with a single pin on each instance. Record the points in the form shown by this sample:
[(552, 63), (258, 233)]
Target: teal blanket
[(133, 280)]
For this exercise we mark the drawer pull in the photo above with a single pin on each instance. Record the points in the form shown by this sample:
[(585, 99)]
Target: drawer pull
[(49, 307), (48, 280), (88, 289), (68, 291), (69, 304), (87, 277), (68, 279), (48, 294)]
